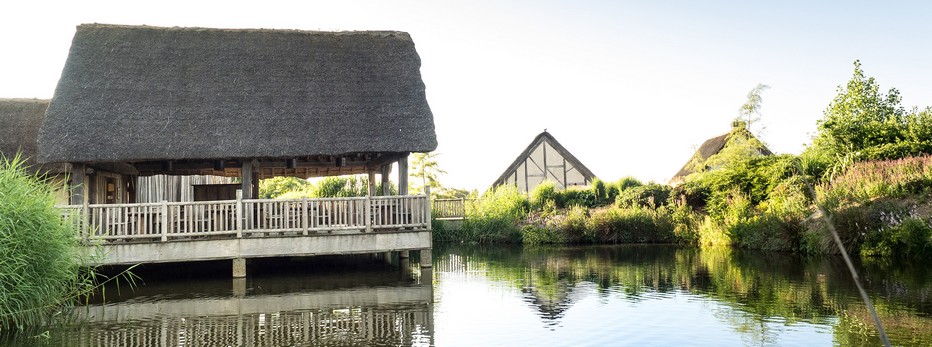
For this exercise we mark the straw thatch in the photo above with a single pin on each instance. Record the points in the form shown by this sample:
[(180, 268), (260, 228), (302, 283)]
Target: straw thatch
[(139, 93), (20, 120), (715, 145)]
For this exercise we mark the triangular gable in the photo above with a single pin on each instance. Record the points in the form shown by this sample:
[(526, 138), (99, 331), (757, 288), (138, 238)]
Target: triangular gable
[(545, 159)]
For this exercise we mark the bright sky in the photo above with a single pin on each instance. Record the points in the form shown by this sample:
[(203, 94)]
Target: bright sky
[(630, 88)]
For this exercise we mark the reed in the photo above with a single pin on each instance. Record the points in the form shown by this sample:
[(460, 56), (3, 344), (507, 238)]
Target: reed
[(39, 266)]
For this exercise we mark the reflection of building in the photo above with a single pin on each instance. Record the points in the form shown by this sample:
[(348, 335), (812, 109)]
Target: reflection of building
[(384, 315), (545, 159)]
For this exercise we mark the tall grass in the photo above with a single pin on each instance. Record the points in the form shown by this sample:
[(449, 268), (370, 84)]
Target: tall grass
[(870, 180), (39, 266), (496, 216)]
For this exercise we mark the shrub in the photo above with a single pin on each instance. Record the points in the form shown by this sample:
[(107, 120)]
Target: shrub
[(575, 197), (599, 192), (911, 238), (543, 196), (650, 195), (495, 216)]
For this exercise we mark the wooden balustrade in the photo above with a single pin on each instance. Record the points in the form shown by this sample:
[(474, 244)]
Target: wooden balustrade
[(449, 209), (156, 222)]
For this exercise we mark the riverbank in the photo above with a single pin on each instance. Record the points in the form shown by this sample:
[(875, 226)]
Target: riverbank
[(879, 208)]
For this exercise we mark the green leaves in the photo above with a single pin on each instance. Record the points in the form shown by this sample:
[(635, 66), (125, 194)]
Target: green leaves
[(865, 122)]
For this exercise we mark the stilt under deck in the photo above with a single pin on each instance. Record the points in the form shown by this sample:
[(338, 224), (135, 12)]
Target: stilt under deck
[(253, 228)]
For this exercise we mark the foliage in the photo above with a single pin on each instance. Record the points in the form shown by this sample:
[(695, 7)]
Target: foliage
[(907, 238), (38, 250), (425, 167), (649, 195), (750, 110), (272, 188), (870, 180), (495, 216), (867, 124), (330, 187), (543, 197)]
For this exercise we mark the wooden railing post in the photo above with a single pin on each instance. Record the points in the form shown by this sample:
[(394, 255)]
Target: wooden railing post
[(239, 216), (164, 223), (368, 214), (427, 205), (305, 215)]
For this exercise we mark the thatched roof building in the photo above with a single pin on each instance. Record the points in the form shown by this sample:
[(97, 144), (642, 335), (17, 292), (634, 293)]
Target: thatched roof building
[(253, 103), (545, 159), (715, 145), (193, 96), (20, 120)]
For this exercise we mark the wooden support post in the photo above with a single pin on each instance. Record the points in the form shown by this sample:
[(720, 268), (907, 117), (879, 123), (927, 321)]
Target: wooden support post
[(239, 267), (386, 172), (255, 178), (371, 182), (403, 175), (78, 184), (246, 180)]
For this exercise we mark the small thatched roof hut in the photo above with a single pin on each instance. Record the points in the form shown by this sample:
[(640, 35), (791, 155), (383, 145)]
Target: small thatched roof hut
[(545, 159), (20, 120), (183, 101), (714, 146)]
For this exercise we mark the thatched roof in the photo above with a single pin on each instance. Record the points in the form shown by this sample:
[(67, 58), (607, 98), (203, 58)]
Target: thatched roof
[(715, 145), (20, 120), (140, 93)]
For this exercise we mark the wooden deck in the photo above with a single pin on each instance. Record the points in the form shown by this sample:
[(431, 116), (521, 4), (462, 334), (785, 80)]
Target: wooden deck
[(188, 231)]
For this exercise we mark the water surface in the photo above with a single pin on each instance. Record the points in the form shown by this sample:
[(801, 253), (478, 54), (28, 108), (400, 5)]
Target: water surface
[(509, 296)]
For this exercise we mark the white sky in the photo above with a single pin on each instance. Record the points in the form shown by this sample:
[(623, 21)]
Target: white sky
[(630, 88)]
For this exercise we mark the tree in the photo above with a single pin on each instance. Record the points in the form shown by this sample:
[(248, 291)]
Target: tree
[(426, 167), (750, 110), (862, 121)]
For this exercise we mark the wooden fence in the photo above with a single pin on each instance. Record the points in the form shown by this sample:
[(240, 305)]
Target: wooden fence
[(164, 221)]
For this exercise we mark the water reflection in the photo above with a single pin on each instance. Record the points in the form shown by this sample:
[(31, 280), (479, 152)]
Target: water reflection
[(738, 297), (377, 306)]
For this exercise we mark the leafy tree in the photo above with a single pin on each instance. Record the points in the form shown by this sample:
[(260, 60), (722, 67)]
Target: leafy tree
[(750, 110), (861, 119), (426, 167)]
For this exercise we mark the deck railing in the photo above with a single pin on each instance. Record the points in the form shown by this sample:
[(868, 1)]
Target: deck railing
[(449, 209), (167, 221)]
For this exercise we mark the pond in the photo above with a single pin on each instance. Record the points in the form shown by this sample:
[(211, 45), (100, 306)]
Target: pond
[(511, 296)]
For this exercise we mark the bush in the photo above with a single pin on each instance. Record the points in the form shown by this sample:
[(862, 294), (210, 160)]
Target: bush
[(543, 197), (911, 238), (575, 197), (650, 195), (38, 260), (495, 216)]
